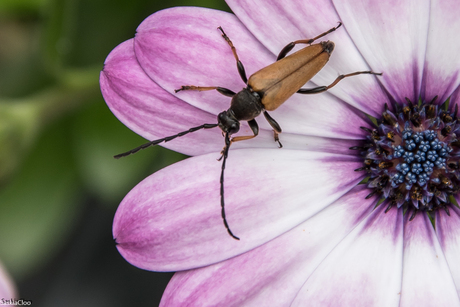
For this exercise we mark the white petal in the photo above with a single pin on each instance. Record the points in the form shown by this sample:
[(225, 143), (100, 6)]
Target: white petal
[(364, 269), (448, 232), (427, 280), (442, 64), (392, 37)]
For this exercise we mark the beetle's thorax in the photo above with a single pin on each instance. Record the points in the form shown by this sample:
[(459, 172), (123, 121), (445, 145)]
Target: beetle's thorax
[(246, 105)]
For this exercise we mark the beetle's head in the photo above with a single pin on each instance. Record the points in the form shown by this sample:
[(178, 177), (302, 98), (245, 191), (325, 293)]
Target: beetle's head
[(228, 123)]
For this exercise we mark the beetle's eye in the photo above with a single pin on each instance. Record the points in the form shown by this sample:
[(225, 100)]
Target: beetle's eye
[(234, 128)]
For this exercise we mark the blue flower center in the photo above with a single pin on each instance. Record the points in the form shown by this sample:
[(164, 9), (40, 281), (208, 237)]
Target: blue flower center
[(419, 154), (413, 157)]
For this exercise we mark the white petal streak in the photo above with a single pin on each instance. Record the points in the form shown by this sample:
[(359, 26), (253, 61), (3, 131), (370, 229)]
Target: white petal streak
[(283, 264), (448, 232), (427, 280), (442, 64), (364, 269), (172, 220), (392, 37)]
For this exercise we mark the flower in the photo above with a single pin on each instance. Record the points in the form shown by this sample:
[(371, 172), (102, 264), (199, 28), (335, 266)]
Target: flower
[(310, 233)]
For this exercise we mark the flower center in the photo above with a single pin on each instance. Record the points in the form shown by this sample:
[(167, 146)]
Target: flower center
[(412, 158)]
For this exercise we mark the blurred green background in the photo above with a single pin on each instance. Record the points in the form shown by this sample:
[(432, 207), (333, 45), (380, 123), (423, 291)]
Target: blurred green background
[(59, 185)]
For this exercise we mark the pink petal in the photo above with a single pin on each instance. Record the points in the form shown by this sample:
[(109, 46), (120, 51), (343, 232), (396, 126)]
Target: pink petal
[(272, 274), (427, 280), (392, 37), (150, 111), (448, 232), (172, 221), (170, 46), (276, 24), (364, 269), (442, 62), (7, 287)]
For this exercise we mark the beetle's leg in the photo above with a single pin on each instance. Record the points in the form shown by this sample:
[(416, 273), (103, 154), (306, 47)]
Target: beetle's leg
[(222, 90), (276, 127), (323, 88), (291, 45), (239, 65), (255, 129)]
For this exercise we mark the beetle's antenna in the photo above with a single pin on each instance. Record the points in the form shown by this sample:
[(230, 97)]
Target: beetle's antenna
[(222, 203), (166, 139)]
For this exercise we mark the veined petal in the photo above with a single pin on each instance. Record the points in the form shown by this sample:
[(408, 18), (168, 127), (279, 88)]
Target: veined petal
[(448, 232), (442, 63), (272, 274), (171, 45), (182, 46), (150, 111), (364, 269), (392, 37), (427, 280), (277, 23), (172, 221)]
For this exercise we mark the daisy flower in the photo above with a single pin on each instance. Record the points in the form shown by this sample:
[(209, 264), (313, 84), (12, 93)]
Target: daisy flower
[(351, 211)]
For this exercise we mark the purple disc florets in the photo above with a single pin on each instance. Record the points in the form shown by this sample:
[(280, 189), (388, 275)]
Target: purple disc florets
[(413, 157)]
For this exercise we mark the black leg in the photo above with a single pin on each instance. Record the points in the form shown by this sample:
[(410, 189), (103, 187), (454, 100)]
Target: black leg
[(291, 45), (323, 88), (239, 65), (276, 127)]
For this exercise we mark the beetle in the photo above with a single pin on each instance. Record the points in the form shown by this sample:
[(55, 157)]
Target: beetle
[(265, 90)]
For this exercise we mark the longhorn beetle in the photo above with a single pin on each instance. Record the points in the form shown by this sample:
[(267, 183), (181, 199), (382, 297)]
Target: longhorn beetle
[(266, 90)]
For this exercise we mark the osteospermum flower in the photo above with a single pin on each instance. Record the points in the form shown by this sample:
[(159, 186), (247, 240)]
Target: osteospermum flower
[(311, 235)]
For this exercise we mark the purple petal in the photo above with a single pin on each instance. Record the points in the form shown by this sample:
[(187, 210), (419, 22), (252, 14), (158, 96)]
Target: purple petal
[(427, 280), (455, 98), (277, 23), (392, 37), (172, 221), (442, 63), (272, 274), (182, 46), (170, 46), (7, 287), (448, 232), (150, 111), (364, 269)]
